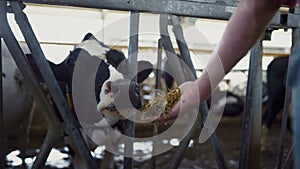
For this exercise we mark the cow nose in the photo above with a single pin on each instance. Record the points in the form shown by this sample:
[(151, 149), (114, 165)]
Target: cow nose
[(112, 88), (126, 89), (134, 95)]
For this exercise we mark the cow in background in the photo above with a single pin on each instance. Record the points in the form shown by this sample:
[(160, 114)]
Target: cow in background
[(276, 87), (17, 103)]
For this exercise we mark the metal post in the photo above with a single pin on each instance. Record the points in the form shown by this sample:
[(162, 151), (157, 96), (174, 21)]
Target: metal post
[(72, 125), (284, 118), (132, 62), (185, 54), (29, 77), (153, 158), (158, 64), (53, 134), (183, 48), (288, 164), (250, 144), (295, 90), (178, 156), (157, 86), (171, 55), (2, 135), (168, 47), (214, 139)]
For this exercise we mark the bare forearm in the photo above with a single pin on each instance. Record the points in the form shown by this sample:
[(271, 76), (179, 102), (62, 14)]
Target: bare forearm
[(244, 28)]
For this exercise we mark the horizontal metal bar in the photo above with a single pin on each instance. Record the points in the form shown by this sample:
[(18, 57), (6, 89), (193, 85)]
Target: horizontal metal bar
[(178, 7), (267, 51), (210, 9)]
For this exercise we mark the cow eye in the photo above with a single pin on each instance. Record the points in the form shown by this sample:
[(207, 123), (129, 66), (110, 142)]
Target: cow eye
[(108, 84), (114, 89), (106, 91)]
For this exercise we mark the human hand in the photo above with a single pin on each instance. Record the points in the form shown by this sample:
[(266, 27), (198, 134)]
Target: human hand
[(190, 98)]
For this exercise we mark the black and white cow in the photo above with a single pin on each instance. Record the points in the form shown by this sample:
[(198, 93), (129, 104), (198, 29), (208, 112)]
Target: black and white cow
[(112, 69), (112, 74)]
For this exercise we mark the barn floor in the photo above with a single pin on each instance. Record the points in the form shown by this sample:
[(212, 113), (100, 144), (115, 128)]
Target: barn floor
[(200, 156)]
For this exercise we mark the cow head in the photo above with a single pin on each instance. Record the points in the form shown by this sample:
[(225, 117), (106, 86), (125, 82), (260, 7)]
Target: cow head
[(112, 83)]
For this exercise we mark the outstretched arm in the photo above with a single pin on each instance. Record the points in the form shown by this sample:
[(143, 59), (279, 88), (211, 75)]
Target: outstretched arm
[(244, 28)]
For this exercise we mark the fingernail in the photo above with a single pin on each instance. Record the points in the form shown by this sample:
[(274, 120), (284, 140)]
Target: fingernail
[(173, 109)]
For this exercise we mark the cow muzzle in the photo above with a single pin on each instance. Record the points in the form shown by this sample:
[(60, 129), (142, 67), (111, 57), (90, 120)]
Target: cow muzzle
[(126, 94), (121, 99)]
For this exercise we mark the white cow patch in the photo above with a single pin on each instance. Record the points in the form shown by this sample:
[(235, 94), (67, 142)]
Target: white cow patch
[(106, 98), (94, 48)]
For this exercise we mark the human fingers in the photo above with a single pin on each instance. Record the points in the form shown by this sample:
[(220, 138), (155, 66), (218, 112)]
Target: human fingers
[(189, 98)]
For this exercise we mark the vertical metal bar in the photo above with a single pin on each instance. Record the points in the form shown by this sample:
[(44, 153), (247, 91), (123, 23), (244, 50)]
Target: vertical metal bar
[(295, 90), (214, 139), (158, 64), (72, 125), (177, 29), (182, 45), (132, 60), (2, 135), (250, 143), (29, 77), (153, 158), (185, 54), (133, 42), (289, 159), (129, 142), (171, 55), (53, 134), (22, 64), (178, 156), (157, 86), (284, 118), (168, 47)]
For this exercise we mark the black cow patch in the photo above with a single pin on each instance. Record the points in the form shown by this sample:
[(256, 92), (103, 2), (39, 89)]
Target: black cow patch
[(113, 68)]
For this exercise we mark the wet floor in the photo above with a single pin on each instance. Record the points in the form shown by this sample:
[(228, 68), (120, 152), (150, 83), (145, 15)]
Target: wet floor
[(201, 156)]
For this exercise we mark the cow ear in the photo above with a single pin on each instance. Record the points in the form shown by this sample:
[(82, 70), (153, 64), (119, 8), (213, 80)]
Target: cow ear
[(88, 36), (115, 57), (144, 70), (71, 59)]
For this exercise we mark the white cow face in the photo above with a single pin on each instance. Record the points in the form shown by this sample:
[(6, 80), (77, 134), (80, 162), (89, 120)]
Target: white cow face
[(115, 89), (106, 104)]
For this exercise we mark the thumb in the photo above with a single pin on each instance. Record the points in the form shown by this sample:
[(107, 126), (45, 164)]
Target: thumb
[(175, 110), (172, 114)]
